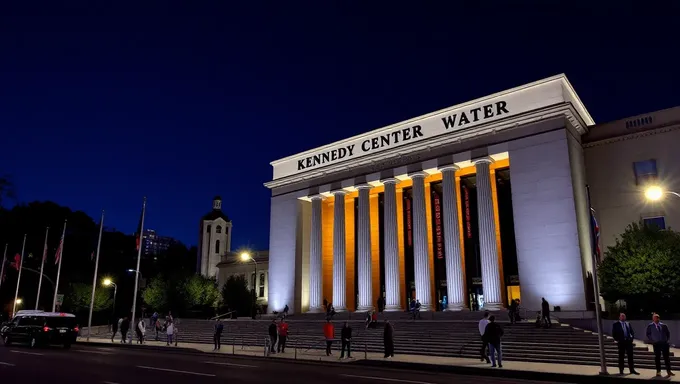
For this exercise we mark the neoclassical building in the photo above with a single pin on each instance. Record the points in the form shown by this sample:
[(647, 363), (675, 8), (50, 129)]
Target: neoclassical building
[(214, 239), (471, 206)]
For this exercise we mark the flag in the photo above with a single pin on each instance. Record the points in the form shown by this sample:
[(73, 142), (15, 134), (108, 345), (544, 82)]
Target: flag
[(596, 234), (57, 256), (138, 234), (17, 262)]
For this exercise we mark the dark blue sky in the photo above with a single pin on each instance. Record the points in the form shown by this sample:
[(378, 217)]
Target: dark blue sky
[(101, 105)]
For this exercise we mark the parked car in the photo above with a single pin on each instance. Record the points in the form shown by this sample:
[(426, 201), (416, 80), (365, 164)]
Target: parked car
[(39, 328)]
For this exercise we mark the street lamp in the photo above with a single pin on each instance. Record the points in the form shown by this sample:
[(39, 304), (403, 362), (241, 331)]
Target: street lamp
[(108, 283), (245, 257), (19, 301), (656, 193)]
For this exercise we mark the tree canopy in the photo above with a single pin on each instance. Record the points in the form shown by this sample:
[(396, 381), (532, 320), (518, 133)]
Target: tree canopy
[(194, 293), (237, 297), (78, 296), (643, 268)]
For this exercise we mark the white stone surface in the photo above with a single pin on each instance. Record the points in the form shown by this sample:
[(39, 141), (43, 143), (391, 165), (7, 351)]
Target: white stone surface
[(392, 287), (282, 252), (364, 247), (315, 272), (454, 267), (421, 264), (339, 253)]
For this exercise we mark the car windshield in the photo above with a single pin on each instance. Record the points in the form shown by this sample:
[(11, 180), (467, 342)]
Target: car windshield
[(59, 322)]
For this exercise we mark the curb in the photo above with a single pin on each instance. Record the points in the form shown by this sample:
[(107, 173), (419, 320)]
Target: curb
[(139, 347)]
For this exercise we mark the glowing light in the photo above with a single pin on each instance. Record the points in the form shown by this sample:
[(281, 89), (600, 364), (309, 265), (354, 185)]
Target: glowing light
[(107, 282), (245, 256), (19, 301), (654, 193)]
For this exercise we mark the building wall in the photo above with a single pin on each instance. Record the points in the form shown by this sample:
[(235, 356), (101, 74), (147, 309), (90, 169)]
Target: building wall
[(209, 256), (546, 230), (616, 198), (247, 270)]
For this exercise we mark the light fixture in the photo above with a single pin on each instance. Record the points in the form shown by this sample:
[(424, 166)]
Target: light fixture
[(654, 193)]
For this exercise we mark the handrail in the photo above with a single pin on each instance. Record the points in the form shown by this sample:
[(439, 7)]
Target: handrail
[(222, 315)]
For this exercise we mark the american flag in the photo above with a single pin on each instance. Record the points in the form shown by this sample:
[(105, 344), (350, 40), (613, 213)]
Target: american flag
[(17, 262), (57, 256), (596, 234)]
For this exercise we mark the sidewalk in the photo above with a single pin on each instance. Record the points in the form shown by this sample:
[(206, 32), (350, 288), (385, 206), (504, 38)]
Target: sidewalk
[(399, 361)]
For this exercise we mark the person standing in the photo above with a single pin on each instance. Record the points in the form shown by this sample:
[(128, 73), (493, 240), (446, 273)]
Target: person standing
[(624, 334), (124, 328), (346, 338), (114, 328), (388, 339), (283, 336), (482, 328), (141, 330), (545, 312), (170, 332), (272, 331), (381, 304), (329, 335), (512, 311), (217, 334), (492, 335), (658, 335)]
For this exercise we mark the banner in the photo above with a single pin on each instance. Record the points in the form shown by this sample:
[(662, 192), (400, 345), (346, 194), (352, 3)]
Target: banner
[(438, 233), (409, 223), (468, 225)]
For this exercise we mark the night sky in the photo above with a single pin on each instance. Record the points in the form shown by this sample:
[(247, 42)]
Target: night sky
[(103, 104)]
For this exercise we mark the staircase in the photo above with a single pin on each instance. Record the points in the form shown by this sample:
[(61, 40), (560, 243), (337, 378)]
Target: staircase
[(436, 334)]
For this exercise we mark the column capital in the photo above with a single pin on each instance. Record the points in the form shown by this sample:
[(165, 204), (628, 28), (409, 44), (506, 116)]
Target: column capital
[(390, 180), (316, 197), (417, 174), (338, 192), (364, 186), (483, 160), (448, 167)]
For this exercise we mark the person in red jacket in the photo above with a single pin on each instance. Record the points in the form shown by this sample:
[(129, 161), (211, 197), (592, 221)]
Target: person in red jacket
[(329, 335), (283, 335)]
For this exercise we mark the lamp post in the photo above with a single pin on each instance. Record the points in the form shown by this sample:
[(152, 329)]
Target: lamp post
[(656, 193), (245, 257), (108, 283)]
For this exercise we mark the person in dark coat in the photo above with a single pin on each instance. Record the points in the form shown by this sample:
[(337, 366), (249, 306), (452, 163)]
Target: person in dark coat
[(273, 335), (492, 335), (624, 334), (124, 328), (388, 339), (114, 329), (658, 335), (346, 336), (545, 312), (512, 311)]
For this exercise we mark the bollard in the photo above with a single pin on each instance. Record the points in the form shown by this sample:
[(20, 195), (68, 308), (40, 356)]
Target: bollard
[(365, 351), (233, 347), (295, 349)]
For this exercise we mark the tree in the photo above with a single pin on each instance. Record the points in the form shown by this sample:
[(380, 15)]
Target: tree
[(156, 295), (201, 291), (643, 268), (236, 296), (78, 296)]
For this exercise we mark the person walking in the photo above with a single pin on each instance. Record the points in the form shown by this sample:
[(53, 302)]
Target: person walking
[(273, 332), (545, 312), (114, 328), (492, 335), (170, 332), (346, 339), (329, 335), (388, 339), (124, 328), (624, 334), (658, 335), (482, 328), (217, 334), (512, 311), (141, 330), (283, 336), (157, 325)]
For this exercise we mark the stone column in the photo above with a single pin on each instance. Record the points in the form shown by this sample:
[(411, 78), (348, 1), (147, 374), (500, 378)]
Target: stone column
[(364, 243), (487, 237), (339, 256), (421, 265), (315, 270), (454, 266), (392, 288)]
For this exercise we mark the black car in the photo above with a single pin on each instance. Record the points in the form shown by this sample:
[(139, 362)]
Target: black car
[(37, 328)]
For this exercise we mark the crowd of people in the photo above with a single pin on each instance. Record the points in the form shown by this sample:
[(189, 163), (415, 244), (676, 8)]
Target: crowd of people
[(122, 326)]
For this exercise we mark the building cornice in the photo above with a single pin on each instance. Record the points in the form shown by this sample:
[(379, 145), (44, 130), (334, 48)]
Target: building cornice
[(631, 136)]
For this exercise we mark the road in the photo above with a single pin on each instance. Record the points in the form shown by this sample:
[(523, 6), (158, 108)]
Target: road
[(115, 365)]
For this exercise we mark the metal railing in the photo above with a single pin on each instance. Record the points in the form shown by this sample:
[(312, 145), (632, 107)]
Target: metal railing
[(222, 315)]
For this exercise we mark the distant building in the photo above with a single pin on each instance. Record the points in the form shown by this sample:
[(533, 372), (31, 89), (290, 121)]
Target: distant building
[(214, 239), (153, 244), (232, 265)]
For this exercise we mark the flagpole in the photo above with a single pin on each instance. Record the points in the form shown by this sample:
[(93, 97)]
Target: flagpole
[(21, 262), (42, 267), (139, 257), (61, 257), (4, 260), (94, 280), (596, 287)]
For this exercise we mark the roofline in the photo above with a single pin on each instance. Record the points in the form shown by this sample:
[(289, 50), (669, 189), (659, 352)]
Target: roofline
[(580, 108)]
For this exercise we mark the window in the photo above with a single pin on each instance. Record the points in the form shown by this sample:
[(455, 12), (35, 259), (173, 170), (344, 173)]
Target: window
[(645, 171), (262, 291), (262, 279), (217, 246), (658, 221), (218, 229), (208, 229)]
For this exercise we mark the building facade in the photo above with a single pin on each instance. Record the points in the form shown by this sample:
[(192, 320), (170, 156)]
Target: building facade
[(623, 158), (255, 272), (469, 206), (153, 244), (214, 239)]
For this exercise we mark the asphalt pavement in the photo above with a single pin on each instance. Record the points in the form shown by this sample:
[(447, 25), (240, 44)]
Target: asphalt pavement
[(119, 365)]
